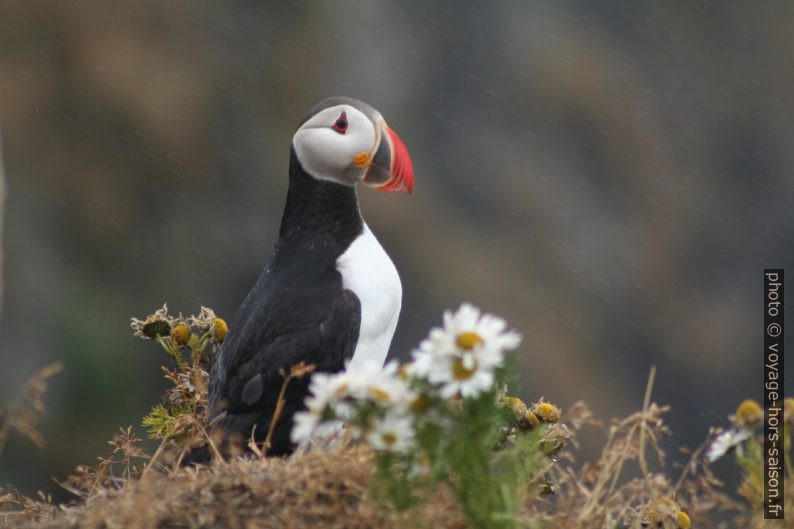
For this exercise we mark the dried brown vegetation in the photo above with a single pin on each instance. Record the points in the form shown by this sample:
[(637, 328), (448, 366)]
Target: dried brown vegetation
[(27, 409), (626, 487), (321, 489), (331, 488)]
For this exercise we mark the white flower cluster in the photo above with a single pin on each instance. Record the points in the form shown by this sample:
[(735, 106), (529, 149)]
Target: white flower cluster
[(458, 360), (374, 402)]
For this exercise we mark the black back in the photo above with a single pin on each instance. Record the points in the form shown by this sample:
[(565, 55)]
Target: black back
[(297, 311)]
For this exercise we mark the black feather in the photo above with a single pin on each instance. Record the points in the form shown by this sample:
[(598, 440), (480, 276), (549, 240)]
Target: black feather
[(298, 311)]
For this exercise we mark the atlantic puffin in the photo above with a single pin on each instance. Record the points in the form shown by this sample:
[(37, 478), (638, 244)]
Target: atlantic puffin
[(330, 295)]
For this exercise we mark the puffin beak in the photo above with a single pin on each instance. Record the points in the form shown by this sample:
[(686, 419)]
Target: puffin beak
[(391, 168)]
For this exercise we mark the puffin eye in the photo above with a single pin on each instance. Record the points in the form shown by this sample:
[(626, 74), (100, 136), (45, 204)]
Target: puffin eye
[(340, 125)]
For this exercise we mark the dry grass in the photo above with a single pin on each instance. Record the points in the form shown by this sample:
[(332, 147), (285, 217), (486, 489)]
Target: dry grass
[(27, 409), (626, 487), (320, 489), (331, 488)]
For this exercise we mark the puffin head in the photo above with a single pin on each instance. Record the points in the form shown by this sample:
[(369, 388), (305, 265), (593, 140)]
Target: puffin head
[(347, 141)]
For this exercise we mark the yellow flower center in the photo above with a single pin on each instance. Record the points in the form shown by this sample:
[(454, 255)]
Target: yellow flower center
[(380, 395), (683, 520), (468, 340), (460, 371), (419, 404), (389, 438)]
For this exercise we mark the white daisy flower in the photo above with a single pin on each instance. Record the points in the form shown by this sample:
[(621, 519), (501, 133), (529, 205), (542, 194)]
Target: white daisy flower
[(364, 374), (469, 328), (328, 402), (308, 430), (424, 358), (392, 433), (472, 330), (468, 374), (364, 381), (327, 389), (333, 397), (725, 442), (383, 386), (463, 354)]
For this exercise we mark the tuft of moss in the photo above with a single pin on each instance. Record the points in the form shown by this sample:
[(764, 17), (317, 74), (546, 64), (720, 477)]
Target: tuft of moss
[(158, 423)]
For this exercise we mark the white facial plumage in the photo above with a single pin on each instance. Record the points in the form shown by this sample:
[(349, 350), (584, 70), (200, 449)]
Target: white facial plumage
[(327, 153)]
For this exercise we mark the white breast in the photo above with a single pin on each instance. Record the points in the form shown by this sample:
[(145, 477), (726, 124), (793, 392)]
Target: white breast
[(369, 273)]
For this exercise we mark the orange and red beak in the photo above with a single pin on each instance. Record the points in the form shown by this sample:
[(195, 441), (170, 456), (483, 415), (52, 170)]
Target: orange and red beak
[(391, 168)]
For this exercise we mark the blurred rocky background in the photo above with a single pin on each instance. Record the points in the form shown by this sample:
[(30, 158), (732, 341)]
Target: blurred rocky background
[(611, 177)]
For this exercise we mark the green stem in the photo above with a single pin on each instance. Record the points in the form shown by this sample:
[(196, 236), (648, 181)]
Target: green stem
[(172, 352)]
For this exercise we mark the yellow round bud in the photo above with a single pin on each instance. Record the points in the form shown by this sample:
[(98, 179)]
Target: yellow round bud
[(180, 334), (532, 418), (515, 403), (219, 329), (683, 520), (547, 411), (749, 414)]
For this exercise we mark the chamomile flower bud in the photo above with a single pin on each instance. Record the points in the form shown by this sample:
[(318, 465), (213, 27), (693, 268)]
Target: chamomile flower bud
[(180, 334), (219, 329), (749, 414), (546, 411), (532, 418), (517, 405), (666, 513), (525, 419)]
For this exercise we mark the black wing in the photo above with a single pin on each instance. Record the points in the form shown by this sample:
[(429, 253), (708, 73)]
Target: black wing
[(319, 327)]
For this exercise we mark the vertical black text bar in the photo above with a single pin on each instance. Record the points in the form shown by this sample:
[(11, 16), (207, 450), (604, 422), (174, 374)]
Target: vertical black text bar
[(773, 394)]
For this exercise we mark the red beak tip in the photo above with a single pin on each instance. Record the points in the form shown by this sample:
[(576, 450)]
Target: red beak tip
[(402, 168)]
